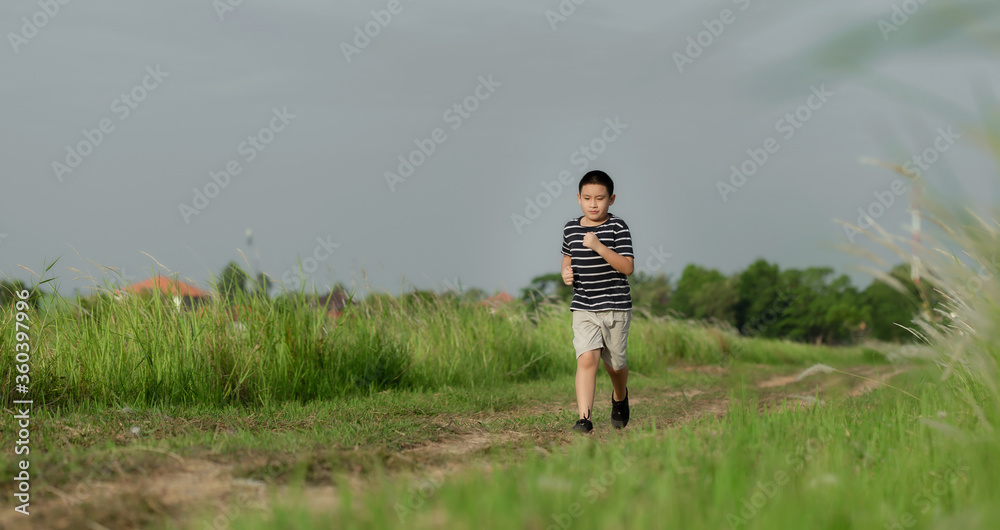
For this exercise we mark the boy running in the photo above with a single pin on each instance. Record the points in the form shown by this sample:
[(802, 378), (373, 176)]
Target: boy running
[(597, 260)]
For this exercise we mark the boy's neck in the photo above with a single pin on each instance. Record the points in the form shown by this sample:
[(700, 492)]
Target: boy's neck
[(584, 220)]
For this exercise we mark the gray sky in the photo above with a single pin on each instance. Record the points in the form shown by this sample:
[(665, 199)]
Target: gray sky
[(321, 175)]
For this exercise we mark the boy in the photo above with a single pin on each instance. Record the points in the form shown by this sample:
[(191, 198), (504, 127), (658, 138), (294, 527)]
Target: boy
[(597, 260)]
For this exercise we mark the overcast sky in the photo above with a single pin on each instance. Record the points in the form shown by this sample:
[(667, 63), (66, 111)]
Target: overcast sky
[(309, 117)]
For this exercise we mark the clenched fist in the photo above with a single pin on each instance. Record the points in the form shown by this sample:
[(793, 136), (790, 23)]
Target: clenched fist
[(591, 241), (567, 275)]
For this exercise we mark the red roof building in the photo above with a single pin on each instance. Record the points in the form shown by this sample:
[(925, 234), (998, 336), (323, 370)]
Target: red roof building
[(180, 292), (497, 300), (335, 301), (167, 286)]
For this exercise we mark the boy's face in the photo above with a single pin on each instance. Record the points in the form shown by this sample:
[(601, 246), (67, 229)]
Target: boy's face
[(594, 201)]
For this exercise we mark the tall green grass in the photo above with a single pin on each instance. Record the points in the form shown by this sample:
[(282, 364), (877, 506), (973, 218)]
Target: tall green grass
[(962, 264), (962, 269), (144, 351)]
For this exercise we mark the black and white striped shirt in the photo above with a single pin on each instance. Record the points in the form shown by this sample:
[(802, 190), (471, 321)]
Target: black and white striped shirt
[(597, 286)]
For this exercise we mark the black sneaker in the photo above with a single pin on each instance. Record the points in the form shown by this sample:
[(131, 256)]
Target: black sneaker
[(619, 411), (584, 425)]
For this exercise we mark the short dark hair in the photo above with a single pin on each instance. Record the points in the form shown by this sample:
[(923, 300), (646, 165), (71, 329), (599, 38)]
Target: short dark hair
[(598, 177)]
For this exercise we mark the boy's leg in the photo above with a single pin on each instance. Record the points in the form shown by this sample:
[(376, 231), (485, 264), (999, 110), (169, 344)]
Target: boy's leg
[(619, 380), (615, 364), (615, 339), (586, 381), (588, 343)]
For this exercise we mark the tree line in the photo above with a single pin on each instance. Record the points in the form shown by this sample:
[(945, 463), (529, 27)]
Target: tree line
[(808, 305)]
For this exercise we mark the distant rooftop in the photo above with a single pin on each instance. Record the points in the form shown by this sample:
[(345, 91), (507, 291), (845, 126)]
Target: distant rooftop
[(167, 286)]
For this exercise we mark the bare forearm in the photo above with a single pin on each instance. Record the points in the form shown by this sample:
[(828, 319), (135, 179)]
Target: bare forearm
[(566, 270)]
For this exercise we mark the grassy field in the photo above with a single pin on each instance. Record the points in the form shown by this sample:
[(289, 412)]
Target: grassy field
[(141, 352), (421, 412)]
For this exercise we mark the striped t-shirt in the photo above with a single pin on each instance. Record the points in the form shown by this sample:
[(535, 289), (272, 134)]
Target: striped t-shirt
[(597, 286)]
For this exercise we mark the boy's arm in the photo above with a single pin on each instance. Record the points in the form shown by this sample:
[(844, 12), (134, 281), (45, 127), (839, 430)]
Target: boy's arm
[(622, 264), (567, 270)]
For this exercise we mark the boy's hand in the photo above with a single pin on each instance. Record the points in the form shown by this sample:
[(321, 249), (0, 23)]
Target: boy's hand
[(591, 241), (567, 275)]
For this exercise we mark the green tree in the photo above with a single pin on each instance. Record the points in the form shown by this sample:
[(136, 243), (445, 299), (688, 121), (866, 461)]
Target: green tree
[(757, 287), (262, 285), (717, 299), (9, 293), (650, 292), (805, 316), (705, 293), (233, 283), (844, 310), (887, 307), (817, 310), (473, 295)]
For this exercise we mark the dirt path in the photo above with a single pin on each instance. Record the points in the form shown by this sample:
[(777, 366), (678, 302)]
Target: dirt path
[(178, 485), (874, 381)]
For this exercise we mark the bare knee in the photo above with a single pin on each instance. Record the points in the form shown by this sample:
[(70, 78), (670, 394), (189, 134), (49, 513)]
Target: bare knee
[(619, 371), (588, 360)]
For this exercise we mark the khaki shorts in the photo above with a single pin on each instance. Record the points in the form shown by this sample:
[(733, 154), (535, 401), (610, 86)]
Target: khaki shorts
[(602, 330)]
